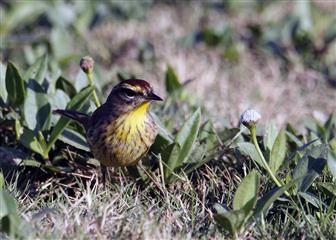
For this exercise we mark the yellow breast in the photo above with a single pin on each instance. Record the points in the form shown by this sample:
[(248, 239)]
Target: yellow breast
[(132, 124)]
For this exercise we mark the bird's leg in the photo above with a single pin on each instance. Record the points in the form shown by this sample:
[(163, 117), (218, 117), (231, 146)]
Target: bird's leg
[(134, 172), (103, 172)]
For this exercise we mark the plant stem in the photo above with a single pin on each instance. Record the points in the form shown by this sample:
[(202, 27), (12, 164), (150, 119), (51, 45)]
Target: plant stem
[(91, 83), (268, 169)]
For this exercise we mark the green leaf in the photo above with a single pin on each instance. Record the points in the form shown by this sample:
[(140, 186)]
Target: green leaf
[(232, 221), (30, 163), (74, 139), (247, 192), (208, 136), (60, 42), (249, 150), (81, 81), (279, 150), (330, 187), (228, 134), (310, 198), (58, 100), (8, 204), (3, 91), (66, 86), (271, 133), (303, 11), (15, 86), (266, 201), (187, 135), (18, 129), (20, 14), (231, 53), (310, 166), (11, 225), (332, 157), (177, 153), (38, 70), (29, 140), (170, 156), (171, 80), (75, 104), (200, 156), (2, 181), (36, 108), (163, 132)]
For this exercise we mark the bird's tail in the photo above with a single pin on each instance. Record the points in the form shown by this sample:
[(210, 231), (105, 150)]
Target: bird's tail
[(77, 116)]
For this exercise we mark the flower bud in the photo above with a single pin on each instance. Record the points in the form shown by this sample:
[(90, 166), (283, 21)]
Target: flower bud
[(86, 64), (250, 118)]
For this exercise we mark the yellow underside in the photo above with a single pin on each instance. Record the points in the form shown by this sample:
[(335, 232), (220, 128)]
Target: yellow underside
[(133, 121), (128, 146)]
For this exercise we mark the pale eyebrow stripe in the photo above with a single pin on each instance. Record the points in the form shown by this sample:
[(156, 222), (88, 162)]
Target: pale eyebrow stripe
[(131, 87)]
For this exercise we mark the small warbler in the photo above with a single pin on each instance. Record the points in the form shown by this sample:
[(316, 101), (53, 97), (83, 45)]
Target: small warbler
[(121, 131)]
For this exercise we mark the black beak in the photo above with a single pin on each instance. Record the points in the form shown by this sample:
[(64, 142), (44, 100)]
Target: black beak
[(154, 97)]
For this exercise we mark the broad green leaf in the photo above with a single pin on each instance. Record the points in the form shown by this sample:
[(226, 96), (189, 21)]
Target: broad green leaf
[(58, 100), (228, 134), (208, 136), (74, 139), (66, 10), (294, 139), (29, 140), (8, 204), (18, 129), (159, 144), (81, 81), (232, 221), (330, 35), (38, 70), (199, 156), (249, 150), (11, 225), (267, 199), (231, 53), (60, 42), (309, 197), (163, 132), (271, 133), (303, 11), (187, 135), (66, 86), (329, 186), (2, 180), (332, 158), (36, 108), (247, 192), (310, 166), (30, 163), (278, 152), (75, 104), (15, 86), (20, 14), (172, 81), (3, 91), (170, 157)]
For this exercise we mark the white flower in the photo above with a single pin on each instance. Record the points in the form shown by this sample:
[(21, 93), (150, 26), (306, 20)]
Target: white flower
[(250, 117)]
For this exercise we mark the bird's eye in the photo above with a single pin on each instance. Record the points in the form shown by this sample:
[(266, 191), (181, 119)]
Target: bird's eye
[(129, 93)]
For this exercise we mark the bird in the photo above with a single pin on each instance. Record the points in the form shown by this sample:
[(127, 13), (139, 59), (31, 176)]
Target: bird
[(120, 131)]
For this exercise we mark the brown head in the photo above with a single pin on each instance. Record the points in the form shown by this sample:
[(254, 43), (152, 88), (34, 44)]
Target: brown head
[(131, 94)]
